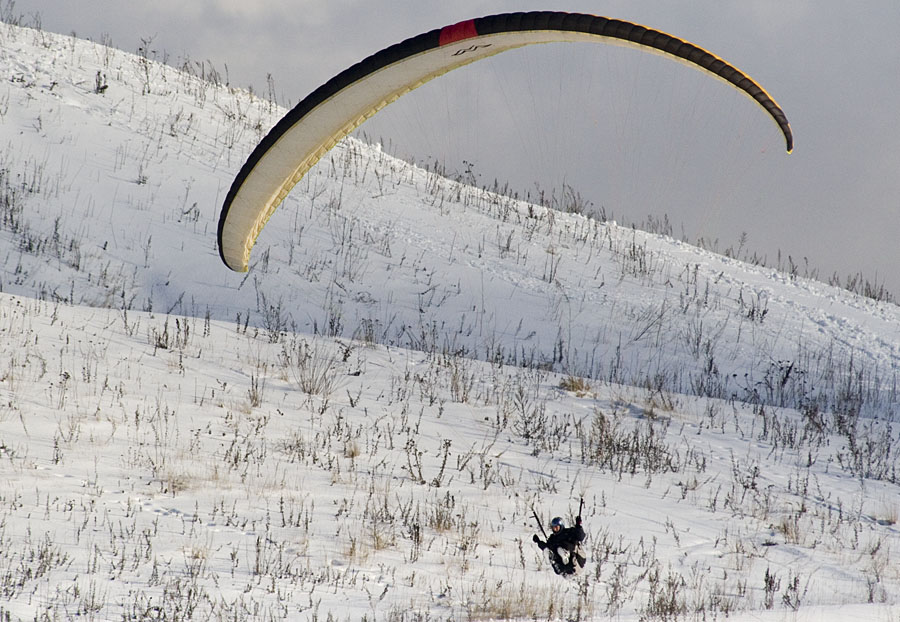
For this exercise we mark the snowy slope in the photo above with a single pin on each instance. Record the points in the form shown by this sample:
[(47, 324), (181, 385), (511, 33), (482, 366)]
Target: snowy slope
[(361, 424)]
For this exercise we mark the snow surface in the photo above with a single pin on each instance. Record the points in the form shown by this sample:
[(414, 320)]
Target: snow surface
[(360, 426)]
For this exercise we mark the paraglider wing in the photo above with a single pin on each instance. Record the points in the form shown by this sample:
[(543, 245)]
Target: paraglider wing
[(340, 105)]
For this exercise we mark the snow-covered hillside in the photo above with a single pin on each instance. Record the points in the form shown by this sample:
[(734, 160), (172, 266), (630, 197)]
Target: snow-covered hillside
[(360, 426)]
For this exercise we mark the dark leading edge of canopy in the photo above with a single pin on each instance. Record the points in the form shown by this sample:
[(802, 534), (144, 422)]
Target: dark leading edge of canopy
[(508, 22)]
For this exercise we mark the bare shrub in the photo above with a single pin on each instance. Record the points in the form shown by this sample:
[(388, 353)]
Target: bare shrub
[(609, 444), (313, 367), (579, 386)]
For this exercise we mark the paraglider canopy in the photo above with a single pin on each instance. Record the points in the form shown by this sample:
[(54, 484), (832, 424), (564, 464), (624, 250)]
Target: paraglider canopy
[(344, 102)]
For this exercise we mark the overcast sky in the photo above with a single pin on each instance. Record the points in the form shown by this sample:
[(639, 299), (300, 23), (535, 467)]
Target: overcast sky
[(833, 67)]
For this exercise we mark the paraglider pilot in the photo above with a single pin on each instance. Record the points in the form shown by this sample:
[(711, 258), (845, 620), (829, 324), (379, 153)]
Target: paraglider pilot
[(563, 545)]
